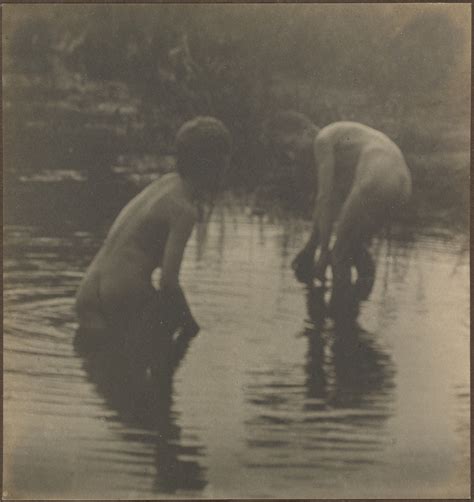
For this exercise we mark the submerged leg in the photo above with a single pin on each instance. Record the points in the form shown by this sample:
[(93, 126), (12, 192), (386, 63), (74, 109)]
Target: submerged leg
[(355, 227), (365, 267), (343, 302), (165, 337), (155, 335)]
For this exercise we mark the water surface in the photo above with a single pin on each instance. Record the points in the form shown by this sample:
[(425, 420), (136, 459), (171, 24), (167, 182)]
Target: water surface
[(269, 401)]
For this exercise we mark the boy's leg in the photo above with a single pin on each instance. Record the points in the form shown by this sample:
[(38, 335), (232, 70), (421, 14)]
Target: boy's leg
[(365, 267), (155, 335), (87, 340), (380, 186), (387, 189), (153, 316), (158, 328), (355, 226)]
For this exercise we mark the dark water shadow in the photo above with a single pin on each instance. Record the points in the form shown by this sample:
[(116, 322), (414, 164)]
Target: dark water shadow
[(143, 402), (335, 421), (345, 367)]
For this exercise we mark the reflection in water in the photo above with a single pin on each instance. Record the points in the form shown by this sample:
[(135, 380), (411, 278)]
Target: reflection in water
[(334, 420), (259, 408), (344, 367), (68, 437), (143, 401)]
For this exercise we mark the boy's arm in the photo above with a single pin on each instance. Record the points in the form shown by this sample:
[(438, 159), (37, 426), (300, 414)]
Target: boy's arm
[(177, 311), (324, 213), (313, 240)]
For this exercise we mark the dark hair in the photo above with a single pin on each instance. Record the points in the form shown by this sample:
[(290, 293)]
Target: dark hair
[(284, 123), (201, 144)]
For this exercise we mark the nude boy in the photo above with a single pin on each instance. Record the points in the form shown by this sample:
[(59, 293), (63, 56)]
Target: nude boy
[(362, 181), (150, 232)]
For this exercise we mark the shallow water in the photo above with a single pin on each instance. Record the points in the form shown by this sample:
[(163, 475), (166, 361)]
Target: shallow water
[(268, 402)]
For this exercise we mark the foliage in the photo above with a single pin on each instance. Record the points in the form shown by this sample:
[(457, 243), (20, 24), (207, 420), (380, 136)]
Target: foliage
[(121, 78)]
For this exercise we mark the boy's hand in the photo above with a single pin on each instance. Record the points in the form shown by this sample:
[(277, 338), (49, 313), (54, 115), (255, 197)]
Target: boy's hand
[(190, 328), (303, 265), (319, 270)]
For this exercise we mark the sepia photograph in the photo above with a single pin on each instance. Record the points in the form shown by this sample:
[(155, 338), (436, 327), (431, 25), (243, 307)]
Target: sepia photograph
[(236, 250)]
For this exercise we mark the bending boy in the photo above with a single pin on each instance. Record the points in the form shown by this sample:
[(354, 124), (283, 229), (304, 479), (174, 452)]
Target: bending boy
[(362, 181), (152, 231)]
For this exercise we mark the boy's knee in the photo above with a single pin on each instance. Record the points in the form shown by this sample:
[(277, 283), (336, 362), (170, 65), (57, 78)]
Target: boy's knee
[(91, 320), (364, 262), (341, 254)]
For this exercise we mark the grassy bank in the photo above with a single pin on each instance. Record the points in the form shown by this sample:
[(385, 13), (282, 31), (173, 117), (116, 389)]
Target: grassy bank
[(71, 123)]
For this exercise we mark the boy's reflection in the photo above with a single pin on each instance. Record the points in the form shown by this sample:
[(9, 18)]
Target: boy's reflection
[(344, 367), (142, 399)]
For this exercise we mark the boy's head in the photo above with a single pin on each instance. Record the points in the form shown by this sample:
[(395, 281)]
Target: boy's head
[(289, 136), (203, 147)]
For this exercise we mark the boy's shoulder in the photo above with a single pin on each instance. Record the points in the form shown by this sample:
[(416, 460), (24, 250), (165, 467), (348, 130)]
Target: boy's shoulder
[(327, 134), (166, 201), (180, 208), (347, 132), (324, 140), (346, 126)]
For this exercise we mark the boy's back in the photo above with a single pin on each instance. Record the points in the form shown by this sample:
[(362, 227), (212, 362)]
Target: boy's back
[(150, 232), (117, 283), (142, 226)]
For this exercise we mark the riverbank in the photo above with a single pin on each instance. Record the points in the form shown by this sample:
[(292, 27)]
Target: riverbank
[(99, 129)]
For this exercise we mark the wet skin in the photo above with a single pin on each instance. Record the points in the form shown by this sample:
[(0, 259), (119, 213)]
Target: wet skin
[(151, 231), (362, 181)]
